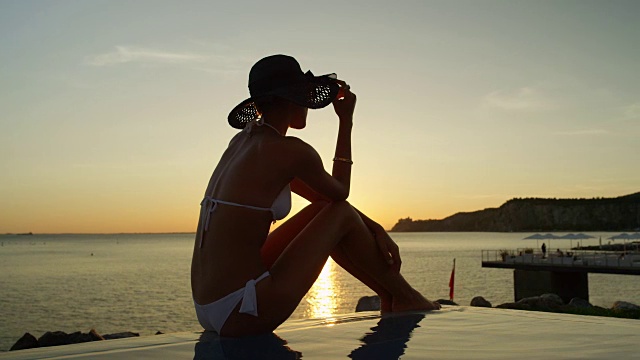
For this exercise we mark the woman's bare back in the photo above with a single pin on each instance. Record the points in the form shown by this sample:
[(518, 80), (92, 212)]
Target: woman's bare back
[(230, 252)]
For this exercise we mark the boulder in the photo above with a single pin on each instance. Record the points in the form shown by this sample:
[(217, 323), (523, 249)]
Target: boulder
[(579, 303), (515, 306), (551, 300), (479, 301), (446, 302), (159, 333), (624, 306), (54, 338), (120, 335), (545, 301), (95, 336), (530, 301), (79, 337), (368, 303), (27, 341)]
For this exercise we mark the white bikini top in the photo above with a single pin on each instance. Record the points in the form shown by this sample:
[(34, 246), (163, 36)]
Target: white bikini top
[(279, 209)]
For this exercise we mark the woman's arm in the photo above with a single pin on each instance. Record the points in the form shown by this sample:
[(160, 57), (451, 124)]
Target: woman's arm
[(388, 247), (308, 164), (311, 180), (344, 105), (302, 189)]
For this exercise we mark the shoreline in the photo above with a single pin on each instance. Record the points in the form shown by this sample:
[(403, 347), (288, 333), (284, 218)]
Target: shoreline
[(115, 233)]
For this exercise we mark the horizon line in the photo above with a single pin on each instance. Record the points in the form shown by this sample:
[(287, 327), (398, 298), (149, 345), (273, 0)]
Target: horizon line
[(99, 233)]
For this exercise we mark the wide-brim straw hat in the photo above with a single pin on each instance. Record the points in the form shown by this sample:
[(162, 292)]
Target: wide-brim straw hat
[(281, 76)]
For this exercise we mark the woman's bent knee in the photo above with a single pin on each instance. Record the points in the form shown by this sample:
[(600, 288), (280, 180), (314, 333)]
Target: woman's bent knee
[(342, 210), (341, 206), (320, 203)]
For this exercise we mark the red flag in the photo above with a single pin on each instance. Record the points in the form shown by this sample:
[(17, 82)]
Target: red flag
[(452, 280)]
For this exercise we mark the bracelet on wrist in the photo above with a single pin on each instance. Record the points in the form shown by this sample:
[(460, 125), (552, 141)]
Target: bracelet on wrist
[(345, 160)]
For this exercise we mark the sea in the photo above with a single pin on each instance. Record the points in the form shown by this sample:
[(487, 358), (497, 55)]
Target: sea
[(140, 282)]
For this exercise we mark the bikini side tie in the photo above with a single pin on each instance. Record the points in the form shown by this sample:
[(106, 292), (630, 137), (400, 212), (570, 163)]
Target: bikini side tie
[(249, 303)]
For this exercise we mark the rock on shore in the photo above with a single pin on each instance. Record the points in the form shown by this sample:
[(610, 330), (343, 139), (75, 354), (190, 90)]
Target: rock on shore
[(479, 301), (623, 306), (56, 338), (544, 302), (368, 303)]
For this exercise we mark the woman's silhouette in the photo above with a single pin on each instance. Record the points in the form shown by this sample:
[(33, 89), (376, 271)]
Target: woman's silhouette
[(246, 280)]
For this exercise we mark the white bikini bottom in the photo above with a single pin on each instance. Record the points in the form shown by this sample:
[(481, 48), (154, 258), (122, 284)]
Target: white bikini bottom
[(212, 316)]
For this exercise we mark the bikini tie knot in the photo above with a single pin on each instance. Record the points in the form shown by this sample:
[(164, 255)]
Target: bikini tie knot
[(249, 304)]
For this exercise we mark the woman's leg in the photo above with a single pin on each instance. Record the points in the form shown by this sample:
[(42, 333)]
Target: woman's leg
[(362, 250), (299, 265), (280, 238)]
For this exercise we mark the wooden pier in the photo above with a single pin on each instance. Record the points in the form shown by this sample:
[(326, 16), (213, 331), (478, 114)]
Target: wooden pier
[(564, 273)]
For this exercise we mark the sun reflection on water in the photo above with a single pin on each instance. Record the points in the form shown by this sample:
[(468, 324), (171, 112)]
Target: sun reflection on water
[(322, 297)]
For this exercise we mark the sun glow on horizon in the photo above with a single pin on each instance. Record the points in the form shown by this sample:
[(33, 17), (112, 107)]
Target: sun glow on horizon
[(459, 108)]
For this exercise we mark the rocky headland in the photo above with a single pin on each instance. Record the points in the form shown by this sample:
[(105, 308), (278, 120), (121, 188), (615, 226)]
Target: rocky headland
[(540, 215)]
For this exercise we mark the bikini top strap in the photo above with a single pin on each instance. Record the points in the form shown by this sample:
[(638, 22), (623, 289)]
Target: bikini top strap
[(209, 205), (271, 126), (259, 122)]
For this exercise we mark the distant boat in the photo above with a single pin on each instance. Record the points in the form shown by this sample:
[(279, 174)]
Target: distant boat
[(25, 234)]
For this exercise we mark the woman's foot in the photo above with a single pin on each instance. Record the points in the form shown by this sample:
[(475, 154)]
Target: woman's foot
[(386, 304), (412, 303)]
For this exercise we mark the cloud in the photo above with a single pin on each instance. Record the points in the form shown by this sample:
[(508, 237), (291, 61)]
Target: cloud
[(584, 132), (632, 111), (524, 98), (132, 54)]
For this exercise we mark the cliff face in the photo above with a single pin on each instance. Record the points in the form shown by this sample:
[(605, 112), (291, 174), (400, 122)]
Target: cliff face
[(600, 214)]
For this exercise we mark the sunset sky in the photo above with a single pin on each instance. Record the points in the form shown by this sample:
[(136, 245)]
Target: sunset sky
[(113, 113)]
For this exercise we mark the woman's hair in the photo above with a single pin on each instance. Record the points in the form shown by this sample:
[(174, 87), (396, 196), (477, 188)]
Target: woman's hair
[(269, 103)]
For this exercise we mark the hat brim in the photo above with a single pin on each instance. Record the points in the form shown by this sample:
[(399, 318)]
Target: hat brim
[(315, 93)]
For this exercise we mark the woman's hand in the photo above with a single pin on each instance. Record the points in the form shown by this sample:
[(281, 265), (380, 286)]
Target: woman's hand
[(390, 250), (344, 103)]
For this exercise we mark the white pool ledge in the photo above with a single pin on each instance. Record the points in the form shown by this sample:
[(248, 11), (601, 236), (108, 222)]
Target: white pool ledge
[(452, 333)]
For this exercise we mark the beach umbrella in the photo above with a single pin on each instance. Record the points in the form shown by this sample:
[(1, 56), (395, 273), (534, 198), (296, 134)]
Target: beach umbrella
[(623, 236), (570, 237), (619, 236), (535, 237), (585, 236), (549, 237), (582, 236), (635, 236)]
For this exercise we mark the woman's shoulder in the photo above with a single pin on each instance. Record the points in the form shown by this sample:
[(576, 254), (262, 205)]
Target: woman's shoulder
[(298, 145), (236, 137), (289, 152)]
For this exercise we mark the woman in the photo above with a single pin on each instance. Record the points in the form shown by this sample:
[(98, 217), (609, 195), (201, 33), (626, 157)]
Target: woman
[(246, 280)]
